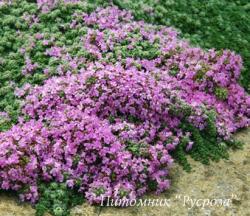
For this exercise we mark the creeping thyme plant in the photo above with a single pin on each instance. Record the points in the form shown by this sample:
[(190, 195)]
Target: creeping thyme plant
[(95, 104), (223, 24)]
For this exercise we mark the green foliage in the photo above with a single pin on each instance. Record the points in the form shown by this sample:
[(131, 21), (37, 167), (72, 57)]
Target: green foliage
[(141, 49), (221, 93), (152, 185), (52, 25), (223, 24), (207, 146), (16, 33), (180, 155), (137, 149), (91, 80), (57, 199)]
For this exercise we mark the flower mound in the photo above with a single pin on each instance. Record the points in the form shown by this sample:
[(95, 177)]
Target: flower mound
[(126, 97)]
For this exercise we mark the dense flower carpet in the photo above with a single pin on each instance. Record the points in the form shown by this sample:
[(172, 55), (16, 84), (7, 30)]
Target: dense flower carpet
[(95, 104)]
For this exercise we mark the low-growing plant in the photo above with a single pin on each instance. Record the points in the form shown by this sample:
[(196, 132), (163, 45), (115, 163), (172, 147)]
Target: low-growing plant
[(221, 24), (98, 104)]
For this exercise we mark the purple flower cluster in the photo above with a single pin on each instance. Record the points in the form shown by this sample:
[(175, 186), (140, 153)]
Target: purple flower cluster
[(81, 150), (47, 5), (109, 128), (29, 67)]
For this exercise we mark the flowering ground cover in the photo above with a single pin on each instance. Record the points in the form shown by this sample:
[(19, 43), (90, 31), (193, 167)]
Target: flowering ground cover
[(96, 105), (223, 24)]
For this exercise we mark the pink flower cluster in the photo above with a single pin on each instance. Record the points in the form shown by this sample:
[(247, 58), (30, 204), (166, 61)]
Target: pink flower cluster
[(108, 130), (82, 150), (47, 5)]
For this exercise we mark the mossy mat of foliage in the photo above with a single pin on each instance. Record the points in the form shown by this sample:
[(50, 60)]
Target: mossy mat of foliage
[(220, 24)]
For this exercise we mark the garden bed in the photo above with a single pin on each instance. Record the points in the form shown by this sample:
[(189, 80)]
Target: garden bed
[(98, 105), (219, 180)]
